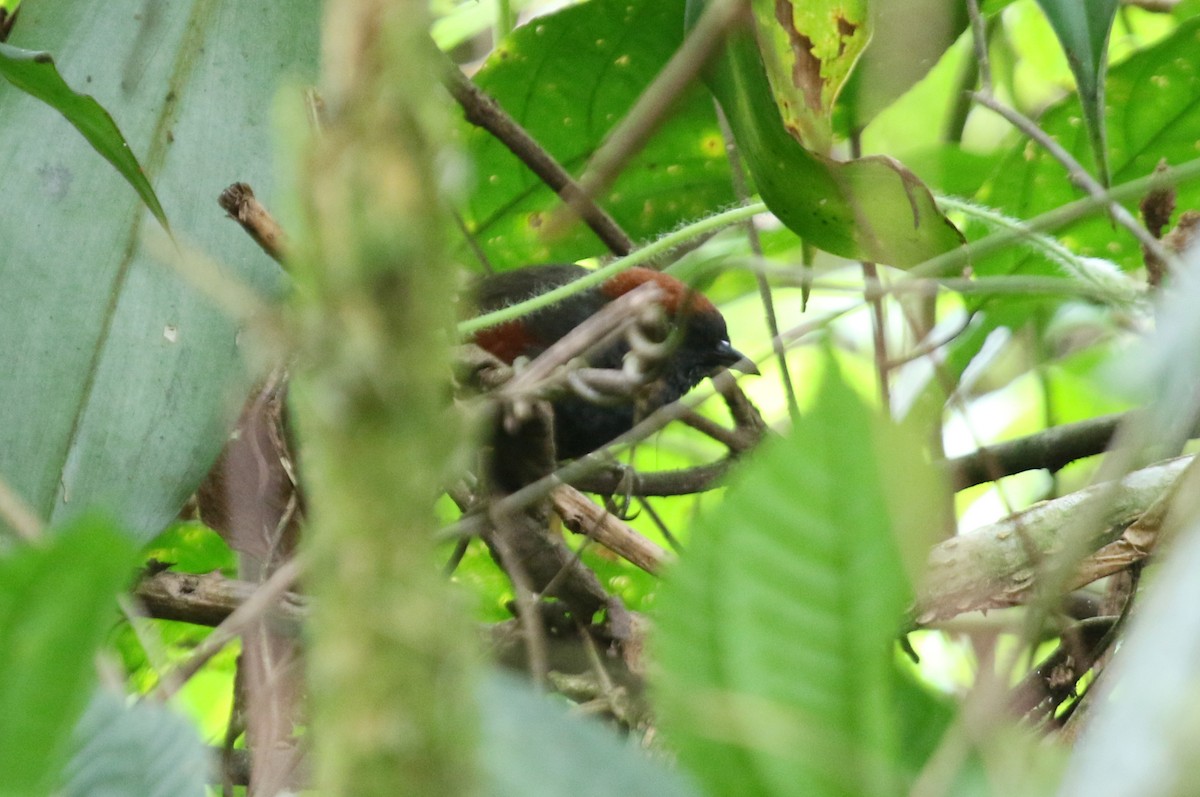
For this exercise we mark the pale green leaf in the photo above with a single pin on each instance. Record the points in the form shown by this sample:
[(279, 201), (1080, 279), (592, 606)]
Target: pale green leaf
[(56, 605), (139, 750), (35, 74), (122, 380), (776, 630)]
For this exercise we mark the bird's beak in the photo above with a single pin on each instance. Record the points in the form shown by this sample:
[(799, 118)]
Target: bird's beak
[(730, 357)]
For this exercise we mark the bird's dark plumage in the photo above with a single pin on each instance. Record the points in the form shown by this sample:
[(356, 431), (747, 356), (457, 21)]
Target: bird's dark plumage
[(581, 426)]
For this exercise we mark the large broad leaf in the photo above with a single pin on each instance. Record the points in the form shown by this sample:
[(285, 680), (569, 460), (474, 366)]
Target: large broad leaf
[(143, 750), (56, 604), (121, 379), (1082, 29), (533, 748), (569, 78), (776, 631), (868, 209), (35, 74), (1153, 110)]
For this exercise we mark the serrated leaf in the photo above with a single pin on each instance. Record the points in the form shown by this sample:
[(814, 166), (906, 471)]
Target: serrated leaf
[(568, 78), (1082, 28), (867, 209), (140, 750), (35, 74), (534, 749), (776, 629), (808, 49), (123, 380), (56, 605)]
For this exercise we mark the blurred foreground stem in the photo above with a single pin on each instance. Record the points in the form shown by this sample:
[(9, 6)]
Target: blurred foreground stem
[(390, 665)]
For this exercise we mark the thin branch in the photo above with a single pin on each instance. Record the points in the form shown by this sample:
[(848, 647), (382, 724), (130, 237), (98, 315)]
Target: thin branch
[(582, 516), (742, 191), (1078, 175), (1050, 450), (239, 202), (955, 259), (606, 480), (710, 428), (980, 37), (655, 103), (873, 295), (19, 515), (528, 609), (483, 111), (208, 599), (256, 606)]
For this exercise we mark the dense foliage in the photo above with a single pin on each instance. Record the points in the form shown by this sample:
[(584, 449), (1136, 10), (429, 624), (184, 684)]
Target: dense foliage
[(917, 554)]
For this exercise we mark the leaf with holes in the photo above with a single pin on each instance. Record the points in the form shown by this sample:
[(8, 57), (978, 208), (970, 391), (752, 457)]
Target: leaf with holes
[(867, 209), (808, 49)]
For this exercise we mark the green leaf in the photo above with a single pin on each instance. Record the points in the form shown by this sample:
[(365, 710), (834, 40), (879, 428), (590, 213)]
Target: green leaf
[(776, 631), (1082, 29), (909, 38), (1153, 108), (141, 750), (534, 749), (56, 605), (868, 209), (35, 74), (568, 78), (808, 50), (124, 380)]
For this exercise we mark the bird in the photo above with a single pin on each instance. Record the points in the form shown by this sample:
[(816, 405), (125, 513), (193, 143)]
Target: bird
[(581, 426)]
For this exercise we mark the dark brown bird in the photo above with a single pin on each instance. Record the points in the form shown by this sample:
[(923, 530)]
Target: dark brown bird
[(580, 425)]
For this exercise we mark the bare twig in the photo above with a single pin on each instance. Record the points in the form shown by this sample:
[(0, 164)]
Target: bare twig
[(527, 603), (652, 107), (1078, 175), (979, 33), (584, 517), (1050, 450), (19, 515), (208, 599), (259, 604), (742, 191), (483, 111), (727, 437), (239, 202)]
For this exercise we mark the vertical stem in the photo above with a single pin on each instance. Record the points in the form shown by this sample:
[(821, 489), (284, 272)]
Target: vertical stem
[(506, 18), (874, 295), (742, 191), (390, 667)]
